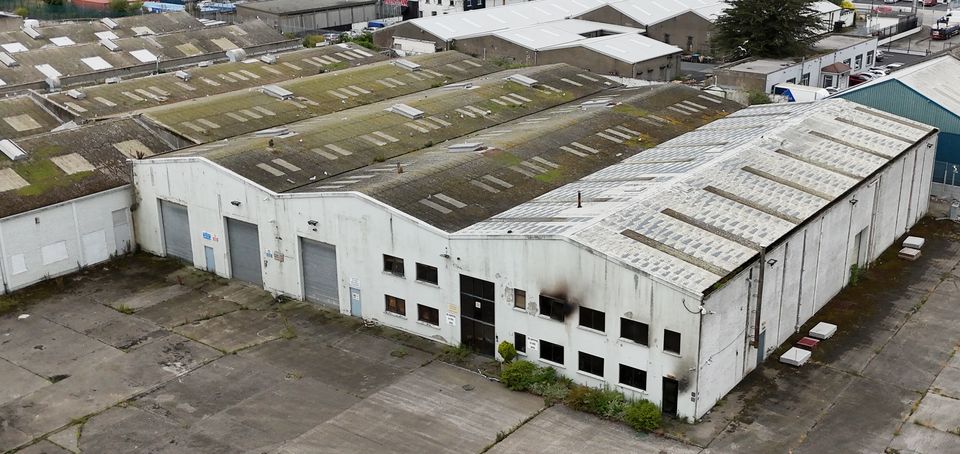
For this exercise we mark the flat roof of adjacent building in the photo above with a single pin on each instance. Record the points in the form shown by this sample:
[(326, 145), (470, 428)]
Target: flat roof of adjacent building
[(693, 210), (628, 48), (826, 45), (107, 100), (557, 33), (64, 165), (282, 7), (937, 79)]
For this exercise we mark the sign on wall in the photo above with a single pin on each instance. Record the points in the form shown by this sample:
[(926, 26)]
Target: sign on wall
[(451, 319), (210, 236)]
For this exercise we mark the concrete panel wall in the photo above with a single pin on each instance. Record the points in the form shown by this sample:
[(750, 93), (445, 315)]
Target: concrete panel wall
[(688, 31), (383, 38), (23, 237)]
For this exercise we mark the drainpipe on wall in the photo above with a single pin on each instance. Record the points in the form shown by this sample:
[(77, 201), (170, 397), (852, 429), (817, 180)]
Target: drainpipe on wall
[(756, 323)]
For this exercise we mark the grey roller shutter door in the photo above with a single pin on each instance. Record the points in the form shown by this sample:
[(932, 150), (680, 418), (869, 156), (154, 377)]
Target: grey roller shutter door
[(176, 230), (320, 283), (244, 242)]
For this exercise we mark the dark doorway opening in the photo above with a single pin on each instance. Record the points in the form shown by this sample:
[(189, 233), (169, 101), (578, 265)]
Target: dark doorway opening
[(671, 391), (477, 315)]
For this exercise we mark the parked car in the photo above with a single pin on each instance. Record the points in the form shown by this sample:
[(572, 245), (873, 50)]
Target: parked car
[(893, 67), (879, 56)]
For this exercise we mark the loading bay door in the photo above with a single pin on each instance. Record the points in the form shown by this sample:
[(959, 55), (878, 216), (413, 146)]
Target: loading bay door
[(320, 283), (176, 230), (477, 329), (244, 243)]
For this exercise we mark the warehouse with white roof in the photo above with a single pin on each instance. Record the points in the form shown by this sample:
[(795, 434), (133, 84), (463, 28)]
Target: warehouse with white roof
[(653, 241)]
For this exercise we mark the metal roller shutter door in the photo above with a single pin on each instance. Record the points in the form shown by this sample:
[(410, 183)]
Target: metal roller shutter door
[(320, 284), (244, 243), (176, 230)]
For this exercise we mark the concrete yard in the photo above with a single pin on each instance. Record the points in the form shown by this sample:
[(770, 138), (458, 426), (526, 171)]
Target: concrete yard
[(142, 355)]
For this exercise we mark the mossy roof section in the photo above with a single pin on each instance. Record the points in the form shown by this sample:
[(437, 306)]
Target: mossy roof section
[(68, 60), (14, 124), (95, 143), (526, 157), (85, 31), (168, 89), (246, 111), (327, 147)]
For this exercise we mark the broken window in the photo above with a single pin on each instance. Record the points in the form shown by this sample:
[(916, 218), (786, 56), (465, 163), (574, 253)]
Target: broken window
[(590, 364), (425, 273), (671, 341), (634, 330), (428, 314), (553, 307), (633, 377), (396, 305), (551, 352), (520, 342), (519, 299), (593, 319), (393, 265)]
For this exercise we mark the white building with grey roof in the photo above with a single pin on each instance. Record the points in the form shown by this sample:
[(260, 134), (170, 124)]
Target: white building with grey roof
[(657, 240)]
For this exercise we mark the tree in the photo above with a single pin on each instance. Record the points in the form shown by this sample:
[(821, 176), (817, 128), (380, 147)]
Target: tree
[(774, 29), (118, 6), (21, 11)]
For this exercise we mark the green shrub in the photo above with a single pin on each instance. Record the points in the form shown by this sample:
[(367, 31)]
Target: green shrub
[(606, 403), (312, 40), (854, 274), (518, 375), (22, 11), (758, 97), (507, 351), (551, 392), (642, 415)]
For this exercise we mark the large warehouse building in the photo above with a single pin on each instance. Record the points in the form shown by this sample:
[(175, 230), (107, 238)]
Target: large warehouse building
[(621, 249)]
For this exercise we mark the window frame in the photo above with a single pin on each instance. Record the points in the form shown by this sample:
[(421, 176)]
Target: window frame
[(519, 295), (520, 342), (666, 333), (551, 348), (436, 274), (620, 378), (400, 305), (436, 314), (591, 359), (389, 265), (643, 326), (555, 308), (592, 315)]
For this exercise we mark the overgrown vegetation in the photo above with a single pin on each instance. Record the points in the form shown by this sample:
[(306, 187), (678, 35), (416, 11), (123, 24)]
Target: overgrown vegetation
[(22, 11), (758, 97), (364, 39), (455, 355), (611, 404), (312, 40), (125, 6), (507, 351), (855, 273), (781, 29), (124, 309)]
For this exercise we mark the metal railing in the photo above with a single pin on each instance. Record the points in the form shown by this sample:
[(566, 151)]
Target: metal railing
[(906, 23), (946, 173)]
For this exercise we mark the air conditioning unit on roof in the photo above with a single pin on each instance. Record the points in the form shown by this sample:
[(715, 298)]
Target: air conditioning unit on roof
[(182, 75)]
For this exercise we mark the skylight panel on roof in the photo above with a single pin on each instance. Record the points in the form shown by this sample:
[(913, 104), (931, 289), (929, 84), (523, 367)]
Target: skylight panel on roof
[(110, 23), (14, 47), (62, 41), (407, 64), (96, 63), (32, 32), (145, 56), (48, 71), (110, 45), (142, 31), (7, 60), (106, 35), (406, 111), (12, 150)]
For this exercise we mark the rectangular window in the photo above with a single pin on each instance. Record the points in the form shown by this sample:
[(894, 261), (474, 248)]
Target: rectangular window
[(428, 314), (805, 79), (792, 80), (590, 364), (689, 44), (425, 273), (847, 62), (551, 352), (634, 330), (858, 61), (633, 377), (666, 38), (520, 342), (396, 305), (393, 265), (553, 307), (593, 319), (869, 58), (519, 299), (827, 80), (671, 341)]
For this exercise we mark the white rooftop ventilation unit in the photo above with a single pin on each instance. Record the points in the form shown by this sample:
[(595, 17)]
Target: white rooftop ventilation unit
[(12, 150), (275, 132), (277, 92), (522, 80), (407, 64), (269, 59), (32, 32), (7, 60), (182, 75), (110, 45), (236, 55), (76, 94), (464, 85), (466, 146), (203, 64), (406, 111), (34, 23), (53, 83), (112, 80), (110, 23)]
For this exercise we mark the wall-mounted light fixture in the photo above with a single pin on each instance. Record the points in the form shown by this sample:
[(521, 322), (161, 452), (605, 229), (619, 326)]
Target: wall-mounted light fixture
[(772, 262), (853, 201), (312, 223), (235, 203)]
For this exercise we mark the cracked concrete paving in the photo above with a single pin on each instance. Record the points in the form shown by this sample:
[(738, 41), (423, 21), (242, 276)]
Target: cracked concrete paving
[(89, 378)]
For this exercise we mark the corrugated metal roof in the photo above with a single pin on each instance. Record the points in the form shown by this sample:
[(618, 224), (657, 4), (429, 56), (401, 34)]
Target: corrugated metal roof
[(558, 33), (937, 79), (694, 209)]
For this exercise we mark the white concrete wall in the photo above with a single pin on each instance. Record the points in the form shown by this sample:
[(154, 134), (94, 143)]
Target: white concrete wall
[(811, 266), (813, 65), (49, 241)]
